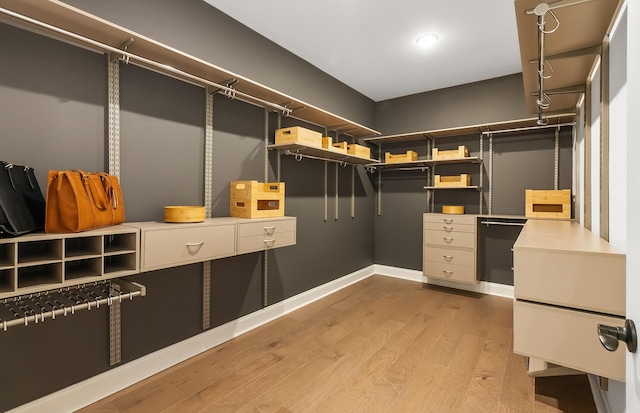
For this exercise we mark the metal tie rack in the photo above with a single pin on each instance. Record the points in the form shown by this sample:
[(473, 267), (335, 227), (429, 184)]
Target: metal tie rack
[(37, 307)]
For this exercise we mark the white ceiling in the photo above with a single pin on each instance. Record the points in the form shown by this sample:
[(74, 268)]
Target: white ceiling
[(370, 44)]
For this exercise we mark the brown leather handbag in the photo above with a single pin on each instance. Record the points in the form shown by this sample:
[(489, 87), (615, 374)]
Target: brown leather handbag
[(79, 201)]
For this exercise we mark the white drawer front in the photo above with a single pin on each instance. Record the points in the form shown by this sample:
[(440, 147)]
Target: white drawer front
[(449, 219), (265, 242), (438, 226), (459, 273), (172, 247), (449, 256), (591, 282), (567, 338), (267, 228), (450, 239)]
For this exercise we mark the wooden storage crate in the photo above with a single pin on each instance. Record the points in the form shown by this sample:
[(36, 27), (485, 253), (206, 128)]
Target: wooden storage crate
[(548, 203), (340, 147), (253, 199), (443, 181), (299, 135), (327, 143), (399, 158), (461, 152), (359, 151)]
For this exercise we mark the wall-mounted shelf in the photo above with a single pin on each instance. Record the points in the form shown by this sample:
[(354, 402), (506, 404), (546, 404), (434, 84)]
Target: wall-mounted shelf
[(302, 151), (59, 20)]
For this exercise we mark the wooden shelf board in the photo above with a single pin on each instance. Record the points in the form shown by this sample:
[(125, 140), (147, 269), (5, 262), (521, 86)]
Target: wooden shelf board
[(322, 153)]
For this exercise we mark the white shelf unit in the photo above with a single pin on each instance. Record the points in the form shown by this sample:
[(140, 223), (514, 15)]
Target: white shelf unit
[(37, 262), (303, 151)]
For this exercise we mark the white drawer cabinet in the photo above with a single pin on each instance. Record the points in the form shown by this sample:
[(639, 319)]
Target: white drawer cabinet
[(169, 245), (266, 234), (567, 280), (449, 247), (166, 245)]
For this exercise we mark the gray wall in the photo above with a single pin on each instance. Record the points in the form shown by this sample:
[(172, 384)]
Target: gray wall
[(53, 110), (521, 161)]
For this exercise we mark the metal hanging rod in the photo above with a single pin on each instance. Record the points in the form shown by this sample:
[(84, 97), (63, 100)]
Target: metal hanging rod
[(36, 308), (299, 157), (127, 56), (510, 224), (529, 128)]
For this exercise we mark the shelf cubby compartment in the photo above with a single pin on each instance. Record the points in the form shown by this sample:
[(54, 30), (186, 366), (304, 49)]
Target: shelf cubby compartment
[(83, 247), (7, 255), (126, 262), (39, 251), (120, 243), (82, 268), (40, 275), (7, 280)]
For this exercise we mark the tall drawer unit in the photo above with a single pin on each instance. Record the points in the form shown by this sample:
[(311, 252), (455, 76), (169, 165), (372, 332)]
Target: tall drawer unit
[(568, 280), (449, 247), (166, 245), (263, 234)]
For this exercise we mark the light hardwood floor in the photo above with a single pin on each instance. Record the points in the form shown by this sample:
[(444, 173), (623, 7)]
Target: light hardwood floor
[(381, 345)]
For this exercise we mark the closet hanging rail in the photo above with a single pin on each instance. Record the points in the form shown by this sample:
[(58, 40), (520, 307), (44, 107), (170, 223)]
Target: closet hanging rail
[(36, 308), (299, 156), (128, 56), (529, 128)]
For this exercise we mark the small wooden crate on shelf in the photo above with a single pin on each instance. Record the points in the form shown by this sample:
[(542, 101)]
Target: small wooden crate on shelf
[(299, 135), (253, 199), (461, 152), (338, 147), (452, 181), (359, 150), (410, 156), (548, 203)]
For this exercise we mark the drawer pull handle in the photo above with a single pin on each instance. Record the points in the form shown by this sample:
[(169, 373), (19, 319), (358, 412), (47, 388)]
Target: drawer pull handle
[(447, 221), (448, 229), (447, 258), (447, 274), (269, 230), (448, 240), (194, 247), (269, 243), (610, 335)]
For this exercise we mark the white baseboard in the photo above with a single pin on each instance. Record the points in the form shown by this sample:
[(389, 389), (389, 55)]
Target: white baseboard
[(482, 287), (95, 388)]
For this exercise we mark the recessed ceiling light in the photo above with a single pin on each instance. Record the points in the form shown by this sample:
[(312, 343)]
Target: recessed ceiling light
[(427, 40)]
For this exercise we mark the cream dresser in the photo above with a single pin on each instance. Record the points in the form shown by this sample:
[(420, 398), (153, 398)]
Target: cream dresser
[(567, 280), (449, 247), (164, 245)]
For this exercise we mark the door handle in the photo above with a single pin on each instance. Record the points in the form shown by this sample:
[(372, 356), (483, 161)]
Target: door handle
[(610, 336)]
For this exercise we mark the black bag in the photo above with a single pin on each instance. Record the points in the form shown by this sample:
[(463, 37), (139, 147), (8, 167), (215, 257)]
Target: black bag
[(22, 206)]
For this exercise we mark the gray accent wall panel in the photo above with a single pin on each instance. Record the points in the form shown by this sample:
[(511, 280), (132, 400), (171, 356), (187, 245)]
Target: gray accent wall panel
[(493, 100), (52, 104), (161, 143)]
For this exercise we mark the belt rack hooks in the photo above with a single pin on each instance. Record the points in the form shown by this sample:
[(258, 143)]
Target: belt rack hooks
[(36, 308)]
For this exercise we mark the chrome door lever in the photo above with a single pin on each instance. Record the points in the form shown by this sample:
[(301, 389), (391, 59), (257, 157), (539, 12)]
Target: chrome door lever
[(609, 336)]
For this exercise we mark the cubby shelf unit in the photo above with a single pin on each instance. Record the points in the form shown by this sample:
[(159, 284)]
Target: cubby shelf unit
[(36, 262)]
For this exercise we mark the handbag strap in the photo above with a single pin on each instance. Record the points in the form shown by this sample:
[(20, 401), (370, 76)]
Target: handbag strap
[(7, 168), (96, 192)]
